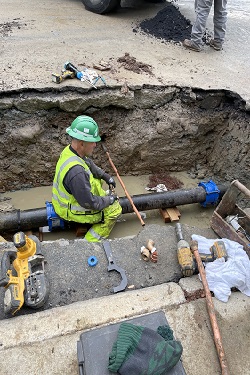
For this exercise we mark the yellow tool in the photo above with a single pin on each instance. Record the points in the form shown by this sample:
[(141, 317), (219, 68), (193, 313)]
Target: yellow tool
[(58, 78), (23, 276), (218, 250), (185, 256)]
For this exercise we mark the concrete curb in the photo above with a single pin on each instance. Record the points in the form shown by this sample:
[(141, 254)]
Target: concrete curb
[(46, 342), (79, 316)]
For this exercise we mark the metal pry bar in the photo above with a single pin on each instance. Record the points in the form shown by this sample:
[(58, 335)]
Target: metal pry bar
[(112, 266)]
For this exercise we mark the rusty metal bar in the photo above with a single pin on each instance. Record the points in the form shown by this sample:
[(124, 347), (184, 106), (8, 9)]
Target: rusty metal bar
[(123, 186), (211, 310)]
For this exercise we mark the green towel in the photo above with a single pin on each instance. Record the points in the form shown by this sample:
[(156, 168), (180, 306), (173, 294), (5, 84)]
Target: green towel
[(141, 351)]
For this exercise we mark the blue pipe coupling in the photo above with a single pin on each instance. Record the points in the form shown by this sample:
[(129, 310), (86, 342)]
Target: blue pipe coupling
[(54, 221), (212, 191)]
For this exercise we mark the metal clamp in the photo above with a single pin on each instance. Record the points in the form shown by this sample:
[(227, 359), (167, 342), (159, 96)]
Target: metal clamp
[(54, 221), (212, 191)]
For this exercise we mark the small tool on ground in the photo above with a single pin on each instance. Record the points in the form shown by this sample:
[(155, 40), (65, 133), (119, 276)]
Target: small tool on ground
[(86, 75), (112, 266), (58, 78), (122, 184), (184, 254), (23, 275), (211, 310)]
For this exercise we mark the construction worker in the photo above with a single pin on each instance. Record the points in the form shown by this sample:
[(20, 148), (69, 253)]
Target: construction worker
[(202, 10), (77, 193)]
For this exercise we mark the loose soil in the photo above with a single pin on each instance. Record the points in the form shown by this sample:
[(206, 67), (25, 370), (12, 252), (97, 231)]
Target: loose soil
[(130, 63), (169, 25), (170, 182)]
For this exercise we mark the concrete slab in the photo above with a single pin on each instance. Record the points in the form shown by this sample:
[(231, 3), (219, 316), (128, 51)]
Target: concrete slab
[(45, 342), (71, 279), (191, 284)]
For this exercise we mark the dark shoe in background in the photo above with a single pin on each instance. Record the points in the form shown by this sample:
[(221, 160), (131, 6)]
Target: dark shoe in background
[(215, 45)]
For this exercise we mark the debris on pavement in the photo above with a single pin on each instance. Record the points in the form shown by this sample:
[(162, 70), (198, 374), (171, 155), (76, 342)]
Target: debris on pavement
[(124, 88), (102, 65), (7, 28), (130, 63)]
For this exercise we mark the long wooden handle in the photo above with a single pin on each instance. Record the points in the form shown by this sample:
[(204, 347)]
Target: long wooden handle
[(242, 188), (211, 310), (123, 186)]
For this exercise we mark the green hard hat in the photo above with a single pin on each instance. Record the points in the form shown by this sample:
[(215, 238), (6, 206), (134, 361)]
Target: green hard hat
[(84, 128)]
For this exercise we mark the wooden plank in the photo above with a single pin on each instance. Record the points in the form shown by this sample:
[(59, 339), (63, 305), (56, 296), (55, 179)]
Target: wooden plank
[(173, 214), (165, 215), (81, 230), (224, 230), (177, 211), (170, 214)]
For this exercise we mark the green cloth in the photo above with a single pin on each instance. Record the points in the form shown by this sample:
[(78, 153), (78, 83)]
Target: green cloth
[(141, 351)]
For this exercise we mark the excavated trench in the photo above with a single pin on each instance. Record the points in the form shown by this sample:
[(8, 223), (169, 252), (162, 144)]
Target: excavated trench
[(145, 129)]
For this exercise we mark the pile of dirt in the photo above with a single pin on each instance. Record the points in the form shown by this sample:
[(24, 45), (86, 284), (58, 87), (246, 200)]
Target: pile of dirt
[(171, 182), (169, 25), (130, 63)]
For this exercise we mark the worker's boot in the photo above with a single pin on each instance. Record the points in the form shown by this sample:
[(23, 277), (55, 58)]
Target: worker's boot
[(215, 45), (188, 43)]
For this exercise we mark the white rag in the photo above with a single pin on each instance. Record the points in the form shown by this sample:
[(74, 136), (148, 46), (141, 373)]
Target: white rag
[(223, 275), (158, 188)]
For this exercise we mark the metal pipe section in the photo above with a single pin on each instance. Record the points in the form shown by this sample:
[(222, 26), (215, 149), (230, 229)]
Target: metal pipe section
[(172, 198), (37, 217)]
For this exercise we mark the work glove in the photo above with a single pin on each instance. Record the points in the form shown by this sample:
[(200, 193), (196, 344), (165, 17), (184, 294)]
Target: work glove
[(113, 198), (111, 182)]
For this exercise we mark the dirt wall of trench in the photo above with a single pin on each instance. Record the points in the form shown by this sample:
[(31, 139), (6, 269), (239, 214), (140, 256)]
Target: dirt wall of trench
[(146, 130)]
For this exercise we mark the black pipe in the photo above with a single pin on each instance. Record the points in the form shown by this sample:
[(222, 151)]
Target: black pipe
[(37, 217)]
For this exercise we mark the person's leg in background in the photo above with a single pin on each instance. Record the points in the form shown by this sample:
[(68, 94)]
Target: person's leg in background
[(202, 9), (220, 20)]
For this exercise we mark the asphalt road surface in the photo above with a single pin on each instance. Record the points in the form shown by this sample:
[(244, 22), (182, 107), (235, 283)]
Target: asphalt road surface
[(38, 38)]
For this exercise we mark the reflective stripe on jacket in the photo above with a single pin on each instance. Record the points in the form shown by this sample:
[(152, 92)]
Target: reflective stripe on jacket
[(65, 205)]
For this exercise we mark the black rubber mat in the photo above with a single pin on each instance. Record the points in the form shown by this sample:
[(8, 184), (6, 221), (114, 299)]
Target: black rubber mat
[(94, 346)]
